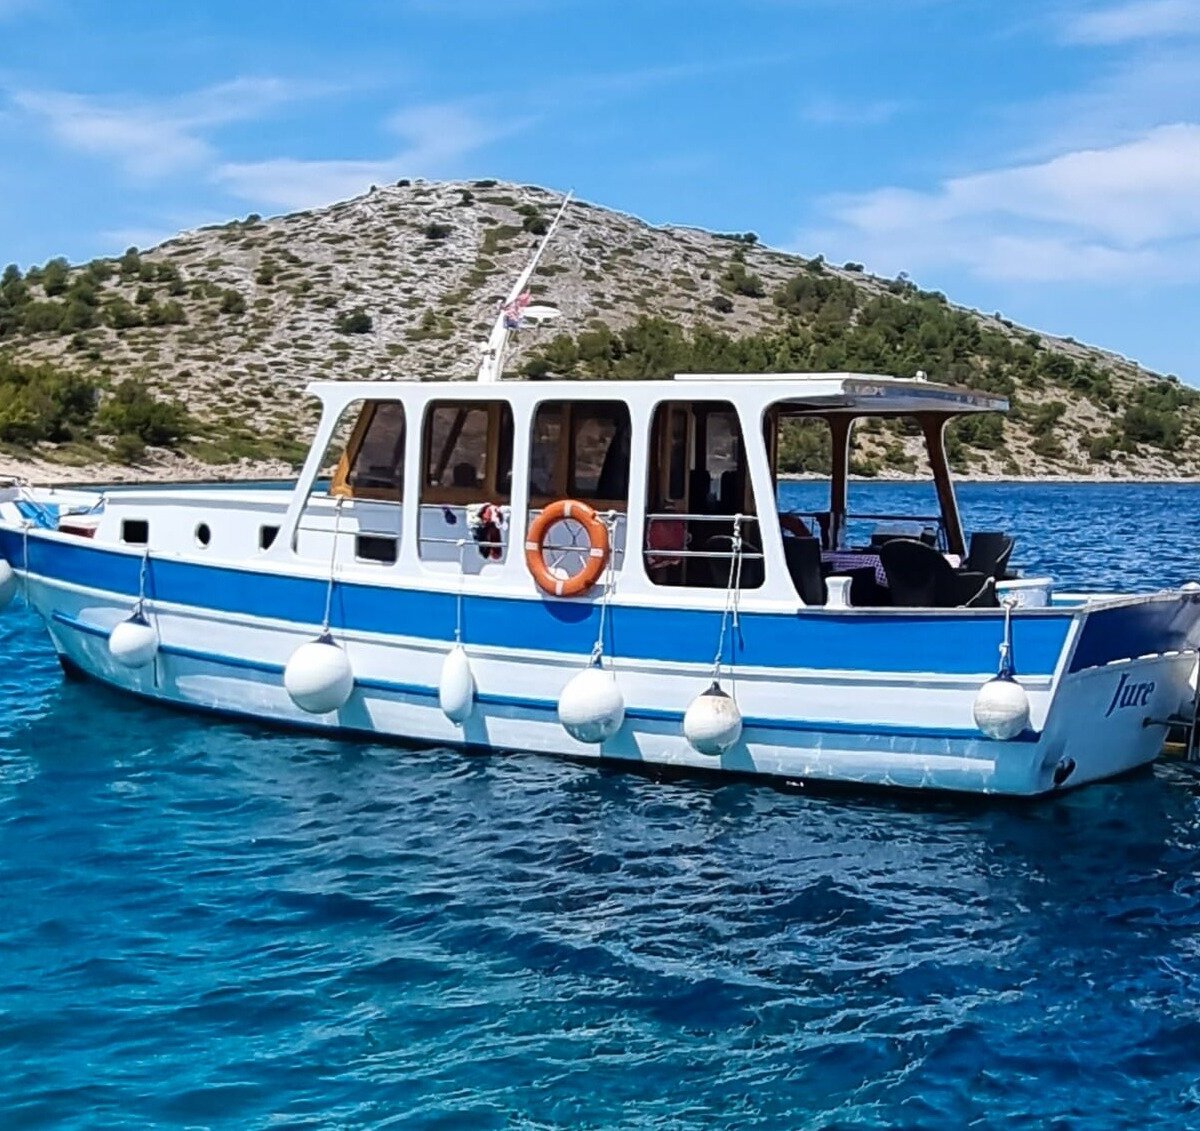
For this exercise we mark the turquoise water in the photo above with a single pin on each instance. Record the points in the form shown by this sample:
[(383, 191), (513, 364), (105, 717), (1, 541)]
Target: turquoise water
[(209, 924)]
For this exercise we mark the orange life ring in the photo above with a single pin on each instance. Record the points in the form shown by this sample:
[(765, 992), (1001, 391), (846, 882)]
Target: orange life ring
[(594, 561)]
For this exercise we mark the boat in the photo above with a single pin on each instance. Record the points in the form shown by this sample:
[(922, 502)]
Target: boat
[(603, 571)]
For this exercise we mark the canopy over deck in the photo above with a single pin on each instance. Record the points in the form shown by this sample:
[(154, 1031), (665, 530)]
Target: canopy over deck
[(850, 394), (861, 393)]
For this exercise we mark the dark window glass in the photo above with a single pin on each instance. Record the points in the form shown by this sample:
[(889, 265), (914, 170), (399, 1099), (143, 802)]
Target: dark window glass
[(460, 443), (379, 463), (599, 450), (375, 548), (135, 531), (543, 451)]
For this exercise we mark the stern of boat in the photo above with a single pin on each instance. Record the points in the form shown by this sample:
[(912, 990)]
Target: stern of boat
[(1125, 669)]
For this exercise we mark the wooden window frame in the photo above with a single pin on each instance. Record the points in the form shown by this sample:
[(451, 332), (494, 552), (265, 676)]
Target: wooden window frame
[(341, 485)]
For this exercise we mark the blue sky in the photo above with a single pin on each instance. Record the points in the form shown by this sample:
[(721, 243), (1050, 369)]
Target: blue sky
[(1041, 159)]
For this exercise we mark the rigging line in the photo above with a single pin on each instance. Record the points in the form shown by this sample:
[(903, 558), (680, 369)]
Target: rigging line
[(458, 597), (337, 529), (610, 521), (731, 595)]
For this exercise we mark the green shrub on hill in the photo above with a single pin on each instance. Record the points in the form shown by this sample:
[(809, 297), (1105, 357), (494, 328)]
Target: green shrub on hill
[(41, 402), (356, 321), (134, 410), (738, 280)]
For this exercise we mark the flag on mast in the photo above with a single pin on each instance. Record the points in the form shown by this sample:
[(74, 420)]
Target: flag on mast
[(514, 310)]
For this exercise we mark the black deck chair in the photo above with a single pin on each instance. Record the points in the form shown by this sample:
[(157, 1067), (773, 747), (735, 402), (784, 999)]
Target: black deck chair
[(988, 553), (920, 577), (803, 557)]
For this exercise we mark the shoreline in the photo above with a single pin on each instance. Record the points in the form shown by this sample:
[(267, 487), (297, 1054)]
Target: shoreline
[(1161, 481), (164, 467), (35, 474)]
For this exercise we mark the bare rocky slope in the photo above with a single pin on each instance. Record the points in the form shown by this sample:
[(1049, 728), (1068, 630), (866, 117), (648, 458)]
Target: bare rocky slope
[(403, 281)]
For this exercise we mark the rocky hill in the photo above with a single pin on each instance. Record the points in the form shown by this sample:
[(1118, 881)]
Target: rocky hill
[(232, 321)]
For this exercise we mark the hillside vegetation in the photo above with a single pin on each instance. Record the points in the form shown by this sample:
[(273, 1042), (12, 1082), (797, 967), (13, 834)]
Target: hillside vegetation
[(195, 354)]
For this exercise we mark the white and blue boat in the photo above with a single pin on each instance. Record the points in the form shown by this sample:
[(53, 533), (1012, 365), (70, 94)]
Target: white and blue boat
[(600, 570)]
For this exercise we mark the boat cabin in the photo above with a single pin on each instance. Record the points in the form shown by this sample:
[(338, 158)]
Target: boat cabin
[(447, 478)]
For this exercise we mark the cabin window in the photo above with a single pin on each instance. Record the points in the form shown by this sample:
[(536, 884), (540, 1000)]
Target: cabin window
[(371, 463), (361, 482), (580, 450), (698, 481), (468, 451), (378, 463), (466, 458)]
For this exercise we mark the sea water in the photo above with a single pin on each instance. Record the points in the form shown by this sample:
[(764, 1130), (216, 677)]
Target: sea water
[(213, 924)]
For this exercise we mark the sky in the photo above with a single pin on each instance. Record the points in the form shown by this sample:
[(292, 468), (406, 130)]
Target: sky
[(1039, 158)]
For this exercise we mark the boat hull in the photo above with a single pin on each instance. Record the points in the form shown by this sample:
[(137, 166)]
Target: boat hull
[(907, 729)]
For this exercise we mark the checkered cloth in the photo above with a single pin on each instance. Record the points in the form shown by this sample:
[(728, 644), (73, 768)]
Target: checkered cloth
[(838, 560)]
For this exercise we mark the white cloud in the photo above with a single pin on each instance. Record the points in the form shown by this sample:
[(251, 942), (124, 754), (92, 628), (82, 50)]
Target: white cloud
[(1139, 19), (1148, 88), (151, 139), (435, 136), (1131, 209)]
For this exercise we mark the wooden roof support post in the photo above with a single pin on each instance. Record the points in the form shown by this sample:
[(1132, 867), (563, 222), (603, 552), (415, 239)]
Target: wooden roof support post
[(840, 428), (934, 428)]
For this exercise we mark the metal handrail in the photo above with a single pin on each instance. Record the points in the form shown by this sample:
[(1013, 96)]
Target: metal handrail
[(749, 556)]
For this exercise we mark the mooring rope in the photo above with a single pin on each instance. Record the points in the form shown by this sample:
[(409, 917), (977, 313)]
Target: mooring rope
[(1006, 656)]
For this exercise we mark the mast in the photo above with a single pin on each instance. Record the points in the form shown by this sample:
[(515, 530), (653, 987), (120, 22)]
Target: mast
[(492, 365)]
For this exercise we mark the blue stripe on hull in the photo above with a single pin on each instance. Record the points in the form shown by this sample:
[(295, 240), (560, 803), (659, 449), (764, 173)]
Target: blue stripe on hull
[(819, 640), (1129, 631)]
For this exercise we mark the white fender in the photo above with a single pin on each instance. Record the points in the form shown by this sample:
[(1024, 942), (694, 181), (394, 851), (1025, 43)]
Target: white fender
[(591, 707), (713, 722), (318, 676), (133, 643), (8, 583), (1001, 708), (456, 688)]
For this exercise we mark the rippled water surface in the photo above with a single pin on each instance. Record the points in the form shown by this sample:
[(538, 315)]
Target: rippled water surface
[(211, 924)]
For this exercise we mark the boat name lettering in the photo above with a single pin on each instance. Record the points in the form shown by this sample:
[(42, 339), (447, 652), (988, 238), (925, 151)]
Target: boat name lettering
[(1130, 695)]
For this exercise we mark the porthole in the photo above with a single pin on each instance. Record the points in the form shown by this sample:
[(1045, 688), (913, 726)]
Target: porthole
[(203, 534)]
